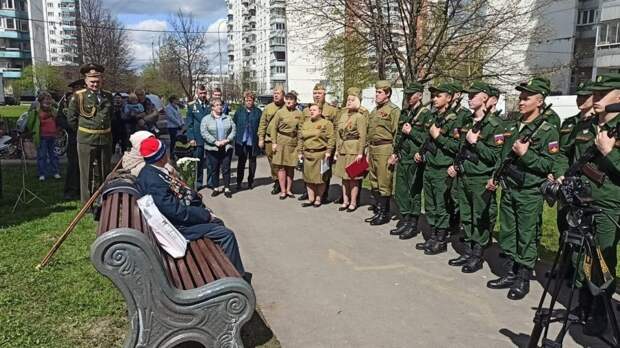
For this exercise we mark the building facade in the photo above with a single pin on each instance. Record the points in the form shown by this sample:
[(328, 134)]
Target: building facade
[(15, 49), (61, 36), (607, 50)]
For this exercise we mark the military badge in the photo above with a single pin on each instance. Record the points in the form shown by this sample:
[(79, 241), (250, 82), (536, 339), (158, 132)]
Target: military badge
[(553, 147), (499, 139)]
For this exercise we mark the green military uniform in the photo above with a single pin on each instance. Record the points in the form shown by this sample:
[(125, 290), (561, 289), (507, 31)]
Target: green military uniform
[(284, 133), (316, 138), (382, 128), (90, 113), (474, 206), (463, 115), (265, 126), (350, 137), (437, 193), (408, 181)]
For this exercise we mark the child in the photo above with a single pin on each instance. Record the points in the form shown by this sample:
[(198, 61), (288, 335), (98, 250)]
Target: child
[(41, 122), (132, 113)]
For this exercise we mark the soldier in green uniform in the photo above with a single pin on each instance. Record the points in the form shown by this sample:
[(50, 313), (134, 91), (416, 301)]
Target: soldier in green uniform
[(315, 145), (478, 155), (497, 114), (197, 109), (382, 128), (90, 114), (605, 195), (264, 130), (445, 140), (521, 206), (331, 114), (409, 138)]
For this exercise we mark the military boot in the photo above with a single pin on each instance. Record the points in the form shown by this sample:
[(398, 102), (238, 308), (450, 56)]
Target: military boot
[(401, 226), (412, 231), (373, 207), (505, 281), (462, 259), (427, 243), (440, 245), (596, 321), (276, 188), (521, 286), (474, 264), (384, 212)]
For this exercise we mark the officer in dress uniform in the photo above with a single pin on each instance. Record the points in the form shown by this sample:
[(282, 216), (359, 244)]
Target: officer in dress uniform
[(408, 186), (196, 110), (265, 126), (72, 186), (521, 204), (90, 114), (382, 128)]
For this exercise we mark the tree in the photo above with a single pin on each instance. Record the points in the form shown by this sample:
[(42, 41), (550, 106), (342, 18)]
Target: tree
[(184, 52), (154, 80), (105, 41), (40, 77)]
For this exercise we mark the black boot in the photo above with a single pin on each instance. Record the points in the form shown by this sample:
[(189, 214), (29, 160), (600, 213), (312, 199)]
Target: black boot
[(412, 231), (373, 207), (521, 286), (304, 197), (462, 259), (384, 212), (276, 188), (427, 243), (474, 264), (505, 281), (401, 226), (440, 245), (596, 321)]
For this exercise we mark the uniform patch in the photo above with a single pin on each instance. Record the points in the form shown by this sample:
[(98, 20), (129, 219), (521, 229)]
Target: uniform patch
[(499, 139), (553, 147)]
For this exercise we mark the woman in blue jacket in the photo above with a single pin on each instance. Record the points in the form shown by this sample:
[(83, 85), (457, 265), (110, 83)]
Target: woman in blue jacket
[(218, 131), (246, 120)]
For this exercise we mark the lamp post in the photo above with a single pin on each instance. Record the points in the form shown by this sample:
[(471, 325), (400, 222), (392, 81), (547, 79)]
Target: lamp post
[(219, 48)]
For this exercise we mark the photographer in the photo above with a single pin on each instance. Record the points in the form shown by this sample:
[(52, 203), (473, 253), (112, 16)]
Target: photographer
[(605, 195)]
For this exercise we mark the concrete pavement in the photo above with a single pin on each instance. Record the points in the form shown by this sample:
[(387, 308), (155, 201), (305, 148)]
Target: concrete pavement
[(324, 278)]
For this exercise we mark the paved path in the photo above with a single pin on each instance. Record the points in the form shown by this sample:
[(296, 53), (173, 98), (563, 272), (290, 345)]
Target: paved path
[(325, 278)]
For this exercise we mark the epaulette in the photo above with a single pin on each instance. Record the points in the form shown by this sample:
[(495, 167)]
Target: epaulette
[(546, 126), (451, 116), (493, 120), (83, 90)]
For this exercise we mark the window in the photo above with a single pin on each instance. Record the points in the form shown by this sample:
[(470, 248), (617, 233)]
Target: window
[(52, 32), (50, 5), (587, 17), (9, 23), (53, 50), (23, 25), (50, 14), (7, 4), (608, 34)]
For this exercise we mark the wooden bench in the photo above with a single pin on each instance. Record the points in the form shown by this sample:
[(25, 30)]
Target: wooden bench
[(199, 298)]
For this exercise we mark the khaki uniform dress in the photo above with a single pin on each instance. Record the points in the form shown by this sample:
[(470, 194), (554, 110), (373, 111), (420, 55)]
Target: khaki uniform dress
[(284, 133), (316, 138), (382, 128), (264, 133), (350, 141)]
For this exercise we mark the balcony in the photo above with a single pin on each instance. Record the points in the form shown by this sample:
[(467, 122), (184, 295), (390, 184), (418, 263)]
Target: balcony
[(277, 62), (608, 56), (277, 3), (14, 53), (231, 47), (278, 76), (11, 73), (12, 34)]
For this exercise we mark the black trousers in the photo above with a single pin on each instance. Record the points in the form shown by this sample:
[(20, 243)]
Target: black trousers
[(218, 161), (72, 185), (172, 132), (244, 152)]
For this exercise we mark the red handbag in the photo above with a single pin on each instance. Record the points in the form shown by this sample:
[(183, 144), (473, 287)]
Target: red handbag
[(357, 169)]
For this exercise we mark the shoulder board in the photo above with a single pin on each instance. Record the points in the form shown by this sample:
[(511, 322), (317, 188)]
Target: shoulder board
[(451, 116), (546, 126), (81, 91), (391, 105)]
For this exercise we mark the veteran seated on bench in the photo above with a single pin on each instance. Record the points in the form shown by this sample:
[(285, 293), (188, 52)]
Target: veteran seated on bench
[(182, 205)]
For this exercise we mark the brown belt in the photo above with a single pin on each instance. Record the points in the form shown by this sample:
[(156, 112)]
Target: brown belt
[(315, 150), (380, 142), (288, 134)]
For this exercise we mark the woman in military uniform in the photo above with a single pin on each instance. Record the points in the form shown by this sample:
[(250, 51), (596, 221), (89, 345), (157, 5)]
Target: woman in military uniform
[(284, 137), (350, 142), (315, 145)]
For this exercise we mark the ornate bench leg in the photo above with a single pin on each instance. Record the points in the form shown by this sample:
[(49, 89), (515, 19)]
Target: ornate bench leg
[(161, 315)]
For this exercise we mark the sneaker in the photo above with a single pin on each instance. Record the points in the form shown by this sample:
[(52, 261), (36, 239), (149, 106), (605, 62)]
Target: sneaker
[(41, 178), (56, 176)]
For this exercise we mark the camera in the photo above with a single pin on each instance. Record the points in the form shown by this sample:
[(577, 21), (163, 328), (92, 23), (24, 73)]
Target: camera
[(572, 191)]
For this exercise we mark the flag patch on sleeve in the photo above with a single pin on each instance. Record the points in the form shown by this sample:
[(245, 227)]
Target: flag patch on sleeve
[(553, 147), (499, 139)]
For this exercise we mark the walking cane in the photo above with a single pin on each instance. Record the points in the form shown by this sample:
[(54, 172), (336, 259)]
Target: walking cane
[(75, 220)]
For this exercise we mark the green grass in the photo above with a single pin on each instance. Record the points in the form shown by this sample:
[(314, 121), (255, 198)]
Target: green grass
[(13, 111), (67, 304)]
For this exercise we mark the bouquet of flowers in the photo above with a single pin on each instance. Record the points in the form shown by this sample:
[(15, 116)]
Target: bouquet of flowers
[(188, 170)]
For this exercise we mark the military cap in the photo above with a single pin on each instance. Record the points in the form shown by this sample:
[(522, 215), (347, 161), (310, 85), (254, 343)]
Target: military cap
[(91, 70), (494, 92), (443, 87), (479, 86), (291, 95), (536, 85), (77, 84), (414, 87), (457, 87), (584, 88), (319, 87), (354, 91), (381, 84), (606, 82)]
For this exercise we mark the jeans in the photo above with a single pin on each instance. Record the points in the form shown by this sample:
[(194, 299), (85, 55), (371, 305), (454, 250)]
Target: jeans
[(219, 234), (218, 161), (47, 161), (244, 152)]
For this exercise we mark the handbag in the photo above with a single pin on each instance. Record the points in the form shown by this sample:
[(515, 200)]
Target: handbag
[(357, 168)]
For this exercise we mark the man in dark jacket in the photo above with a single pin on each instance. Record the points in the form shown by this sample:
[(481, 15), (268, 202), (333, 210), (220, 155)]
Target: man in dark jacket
[(246, 121), (180, 204)]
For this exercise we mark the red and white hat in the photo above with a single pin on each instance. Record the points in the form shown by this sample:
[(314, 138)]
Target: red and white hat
[(152, 149)]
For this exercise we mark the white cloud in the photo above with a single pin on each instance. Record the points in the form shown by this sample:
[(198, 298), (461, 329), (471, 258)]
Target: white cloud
[(213, 50), (142, 42), (199, 8)]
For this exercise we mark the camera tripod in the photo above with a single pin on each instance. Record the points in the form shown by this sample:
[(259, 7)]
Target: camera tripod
[(23, 194), (578, 239)]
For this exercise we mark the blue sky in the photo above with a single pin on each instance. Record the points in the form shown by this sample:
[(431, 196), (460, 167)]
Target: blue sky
[(154, 14)]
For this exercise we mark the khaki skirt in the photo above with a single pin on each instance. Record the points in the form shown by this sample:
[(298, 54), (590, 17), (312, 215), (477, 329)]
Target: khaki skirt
[(312, 167), (285, 155), (343, 162)]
